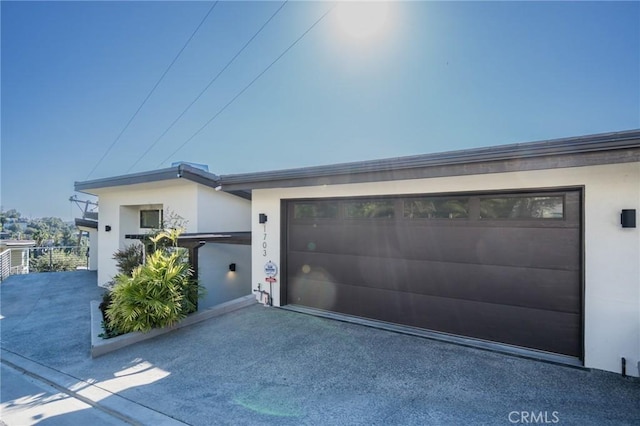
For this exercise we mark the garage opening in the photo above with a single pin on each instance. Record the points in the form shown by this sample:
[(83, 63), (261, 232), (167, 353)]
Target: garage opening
[(502, 267)]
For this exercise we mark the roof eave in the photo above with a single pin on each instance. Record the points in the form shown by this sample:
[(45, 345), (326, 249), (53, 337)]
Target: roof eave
[(181, 171), (529, 156), (86, 223)]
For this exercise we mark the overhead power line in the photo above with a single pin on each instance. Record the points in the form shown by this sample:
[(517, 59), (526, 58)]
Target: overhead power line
[(206, 87), (221, 110), (151, 92)]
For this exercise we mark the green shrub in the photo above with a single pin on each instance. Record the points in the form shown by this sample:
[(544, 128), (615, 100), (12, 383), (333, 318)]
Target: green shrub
[(128, 258), (157, 294)]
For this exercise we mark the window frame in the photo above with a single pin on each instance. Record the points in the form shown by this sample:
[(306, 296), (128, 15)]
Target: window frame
[(159, 212)]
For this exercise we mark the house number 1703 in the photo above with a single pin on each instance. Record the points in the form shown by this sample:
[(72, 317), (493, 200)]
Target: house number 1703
[(264, 242)]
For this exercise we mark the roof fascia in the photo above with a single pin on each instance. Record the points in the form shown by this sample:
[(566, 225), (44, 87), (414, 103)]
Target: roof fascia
[(181, 171), (86, 223), (210, 180), (18, 243), (131, 179), (568, 152), (198, 176)]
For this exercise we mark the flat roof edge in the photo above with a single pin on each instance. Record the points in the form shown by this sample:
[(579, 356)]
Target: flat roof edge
[(556, 147), (181, 171), (86, 223)]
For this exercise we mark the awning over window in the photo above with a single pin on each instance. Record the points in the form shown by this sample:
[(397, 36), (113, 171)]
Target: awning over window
[(207, 237)]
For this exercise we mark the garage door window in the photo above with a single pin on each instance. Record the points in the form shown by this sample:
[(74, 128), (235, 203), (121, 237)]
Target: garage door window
[(315, 210), (384, 209), (522, 207), (436, 208)]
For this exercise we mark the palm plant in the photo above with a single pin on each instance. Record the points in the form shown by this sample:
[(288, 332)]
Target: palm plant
[(157, 294)]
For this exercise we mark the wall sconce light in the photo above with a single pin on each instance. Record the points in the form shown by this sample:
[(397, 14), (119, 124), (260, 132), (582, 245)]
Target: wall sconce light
[(107, 228), (218, 188), (232, 267), (262, 218), (628, 218)]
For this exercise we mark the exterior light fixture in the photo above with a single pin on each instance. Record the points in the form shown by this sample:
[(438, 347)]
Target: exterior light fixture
[(107, 228), (628, 218), (262, 218), (218, 188), (232, 267)]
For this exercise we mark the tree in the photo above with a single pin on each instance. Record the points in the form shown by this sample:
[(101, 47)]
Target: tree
[(46, 231), (51, 231), (8, 217)]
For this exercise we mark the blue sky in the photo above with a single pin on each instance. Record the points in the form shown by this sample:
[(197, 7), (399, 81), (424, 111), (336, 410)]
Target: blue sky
[(437, 77)]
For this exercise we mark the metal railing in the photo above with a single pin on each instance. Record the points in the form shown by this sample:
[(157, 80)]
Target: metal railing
[(5, 264), (55, 259), (15, 261)]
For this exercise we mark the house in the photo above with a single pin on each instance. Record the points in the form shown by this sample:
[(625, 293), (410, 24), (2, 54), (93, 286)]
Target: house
[(15, 256), (217, 224), (530, 248)]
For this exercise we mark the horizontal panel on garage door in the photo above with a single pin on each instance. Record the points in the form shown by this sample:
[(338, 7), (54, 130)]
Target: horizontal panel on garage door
[(500, 262), (527, 287), (550, 247), (550, 331)]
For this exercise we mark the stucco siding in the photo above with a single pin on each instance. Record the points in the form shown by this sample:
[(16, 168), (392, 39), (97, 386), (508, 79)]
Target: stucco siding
[(93, 250), (119, 209), (222, 285), (219, 211)]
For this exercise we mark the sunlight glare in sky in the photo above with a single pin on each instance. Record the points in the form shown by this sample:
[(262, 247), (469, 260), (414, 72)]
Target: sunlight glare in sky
[(362, 20), (373, 80)]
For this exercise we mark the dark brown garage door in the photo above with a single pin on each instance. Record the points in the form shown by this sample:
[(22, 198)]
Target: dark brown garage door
[(499, 267)]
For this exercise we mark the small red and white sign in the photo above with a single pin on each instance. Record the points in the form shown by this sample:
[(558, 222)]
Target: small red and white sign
[(270, 280)]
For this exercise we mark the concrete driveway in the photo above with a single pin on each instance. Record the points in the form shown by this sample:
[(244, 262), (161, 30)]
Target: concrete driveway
[(264, 365)]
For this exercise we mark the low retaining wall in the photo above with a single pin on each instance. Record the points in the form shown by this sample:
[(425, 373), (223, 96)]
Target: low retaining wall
[(100, 346)]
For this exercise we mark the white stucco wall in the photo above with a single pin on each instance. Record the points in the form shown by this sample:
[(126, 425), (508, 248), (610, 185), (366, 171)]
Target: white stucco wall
[(612, 254), (93, 250), (222, 285), (219, 211), (19, 257), (120, 206)]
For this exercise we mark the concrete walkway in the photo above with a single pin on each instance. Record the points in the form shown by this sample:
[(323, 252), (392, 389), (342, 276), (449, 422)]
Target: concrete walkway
[(270, 366), (27, 400)]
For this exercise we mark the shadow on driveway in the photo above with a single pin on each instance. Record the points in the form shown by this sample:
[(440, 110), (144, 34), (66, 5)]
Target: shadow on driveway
[(264, 365)]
